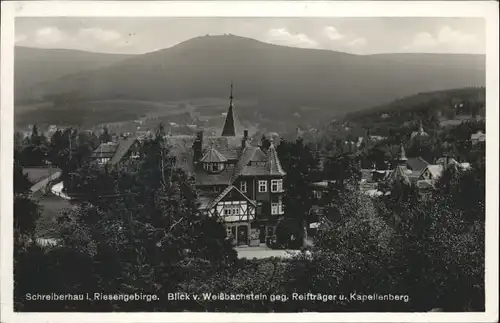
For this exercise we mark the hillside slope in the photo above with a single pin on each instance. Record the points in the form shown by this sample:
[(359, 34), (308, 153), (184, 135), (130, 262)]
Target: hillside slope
[(430, 108), (277, 76), (35, 65)]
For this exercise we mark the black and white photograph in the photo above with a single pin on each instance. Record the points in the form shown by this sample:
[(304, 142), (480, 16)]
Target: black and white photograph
[(237, 163)]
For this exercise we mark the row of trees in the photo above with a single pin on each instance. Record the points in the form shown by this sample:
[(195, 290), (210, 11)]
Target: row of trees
[(65, 147)]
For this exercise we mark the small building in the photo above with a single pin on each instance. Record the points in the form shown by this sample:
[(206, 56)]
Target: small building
[(112, 153), (432, 173), (416, 165), (478, 137), (41, 178)]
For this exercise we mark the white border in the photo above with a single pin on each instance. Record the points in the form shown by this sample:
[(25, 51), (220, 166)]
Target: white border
[(485, 9)]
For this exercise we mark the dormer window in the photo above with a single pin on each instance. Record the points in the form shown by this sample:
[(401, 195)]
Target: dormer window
[(213, 161), (213, 167)]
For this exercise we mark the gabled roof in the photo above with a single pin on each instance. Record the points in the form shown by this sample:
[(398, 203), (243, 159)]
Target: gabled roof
[(114, 150), (105, 150), (181, 146), (255, 162), (37, 174), (226, 191), (213, 156), (416, 164), (248, 155), (123, 148), (435, 170)]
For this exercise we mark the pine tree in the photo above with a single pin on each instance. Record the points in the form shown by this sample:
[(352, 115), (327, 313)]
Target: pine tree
[(301, 164)]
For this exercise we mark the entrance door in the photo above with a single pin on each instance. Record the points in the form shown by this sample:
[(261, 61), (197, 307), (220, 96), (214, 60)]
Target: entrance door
[(242, 234), (270, 231), (262, 234), (233, 234)]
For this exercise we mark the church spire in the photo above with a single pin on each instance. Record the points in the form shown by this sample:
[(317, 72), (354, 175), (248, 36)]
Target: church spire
[(229, 130), (231, 95), (401, 159)]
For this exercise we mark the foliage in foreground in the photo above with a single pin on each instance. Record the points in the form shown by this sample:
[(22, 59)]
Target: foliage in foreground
[(149, 238)]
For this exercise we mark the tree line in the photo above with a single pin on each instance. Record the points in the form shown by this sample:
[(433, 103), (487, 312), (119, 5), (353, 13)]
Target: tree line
[(137, 229)]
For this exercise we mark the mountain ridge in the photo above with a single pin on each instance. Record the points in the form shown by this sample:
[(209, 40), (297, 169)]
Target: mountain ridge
[(279, 77)]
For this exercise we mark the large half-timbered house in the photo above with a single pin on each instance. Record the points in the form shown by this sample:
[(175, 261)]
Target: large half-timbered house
[(239, 183)]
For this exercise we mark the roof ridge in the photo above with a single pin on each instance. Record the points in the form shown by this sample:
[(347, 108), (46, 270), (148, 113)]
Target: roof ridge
[(274, 160)]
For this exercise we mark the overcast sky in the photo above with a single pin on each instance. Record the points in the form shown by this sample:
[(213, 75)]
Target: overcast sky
[(352, 35)]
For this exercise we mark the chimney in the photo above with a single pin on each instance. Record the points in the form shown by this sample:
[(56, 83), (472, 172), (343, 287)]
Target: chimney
[(245, 139), (198, 146)]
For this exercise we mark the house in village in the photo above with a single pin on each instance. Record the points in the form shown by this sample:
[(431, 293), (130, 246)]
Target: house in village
[(478, 137), (238, 182), (112, 153), (432, 173)]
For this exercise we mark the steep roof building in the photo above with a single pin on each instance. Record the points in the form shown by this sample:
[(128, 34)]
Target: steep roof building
[(228, 130), (239, 183)]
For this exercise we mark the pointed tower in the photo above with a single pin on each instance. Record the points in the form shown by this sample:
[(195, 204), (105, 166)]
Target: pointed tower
[(401, 158), (229, 128)]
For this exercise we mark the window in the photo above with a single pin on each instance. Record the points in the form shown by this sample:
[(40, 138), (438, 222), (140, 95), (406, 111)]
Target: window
[(134, 154), (213, 167), (262, 186), (243, 186), (274, 208), (277, 207), (231, 210), (277, 185)]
